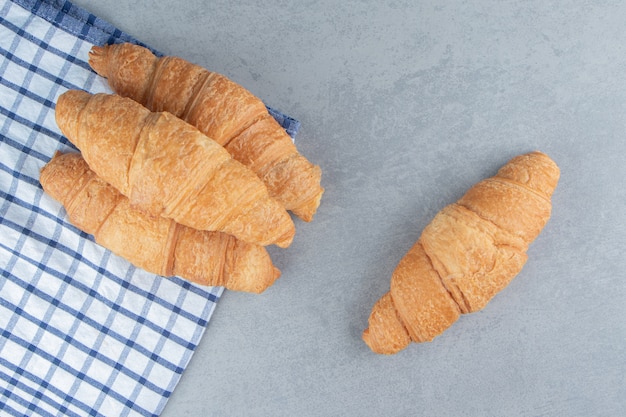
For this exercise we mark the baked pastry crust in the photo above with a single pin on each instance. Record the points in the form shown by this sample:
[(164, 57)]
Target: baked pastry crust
[(155, 244), (468, 253), (166, 167), (219, 108)]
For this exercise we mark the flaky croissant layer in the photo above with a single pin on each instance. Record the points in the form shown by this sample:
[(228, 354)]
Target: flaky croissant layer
[(156, 244), (469, 252), (167, 167), (221, 109)]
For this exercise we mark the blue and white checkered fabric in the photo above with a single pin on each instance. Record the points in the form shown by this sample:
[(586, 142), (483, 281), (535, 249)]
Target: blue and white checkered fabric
[(82, 332)]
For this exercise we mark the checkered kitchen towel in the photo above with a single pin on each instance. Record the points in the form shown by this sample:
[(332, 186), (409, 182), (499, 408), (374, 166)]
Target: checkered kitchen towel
[(82, 332)]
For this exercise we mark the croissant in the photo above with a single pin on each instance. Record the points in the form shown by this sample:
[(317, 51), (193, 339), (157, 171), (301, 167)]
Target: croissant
[(221, 109), (156, 244), (470, 251), (167, 167)]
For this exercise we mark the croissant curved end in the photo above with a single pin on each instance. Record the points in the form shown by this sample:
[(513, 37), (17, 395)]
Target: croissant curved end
[(307, 210), (251, 270), (536, 170), (98, 59), (385, 334), (60, 176), (67, 110), (285, 240)]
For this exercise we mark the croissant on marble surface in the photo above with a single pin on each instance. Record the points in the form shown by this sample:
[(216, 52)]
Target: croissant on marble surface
[(469, 252)]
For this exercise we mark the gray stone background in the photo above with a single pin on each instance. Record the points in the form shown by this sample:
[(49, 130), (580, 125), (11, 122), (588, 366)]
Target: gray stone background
[(405, 105)]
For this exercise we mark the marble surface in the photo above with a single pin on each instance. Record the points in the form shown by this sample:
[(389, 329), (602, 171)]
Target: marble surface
[(404, 105)]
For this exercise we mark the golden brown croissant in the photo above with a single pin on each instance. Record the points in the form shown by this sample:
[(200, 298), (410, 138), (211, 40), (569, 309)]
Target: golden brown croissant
[(167, 167), (469, 252), (221, 109), (156, 244)]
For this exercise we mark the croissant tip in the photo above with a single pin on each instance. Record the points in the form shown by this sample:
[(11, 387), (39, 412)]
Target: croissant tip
[(97, 59), (366, 335), (285, 241), (374, 347), (307, 211)]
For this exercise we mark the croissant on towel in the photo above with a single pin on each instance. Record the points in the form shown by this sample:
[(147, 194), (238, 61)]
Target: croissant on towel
[(470, 251), (167, 167), (221, 109), (156, 244)]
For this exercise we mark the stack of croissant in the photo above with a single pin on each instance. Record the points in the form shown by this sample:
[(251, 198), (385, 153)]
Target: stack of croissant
[(181, 171)]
